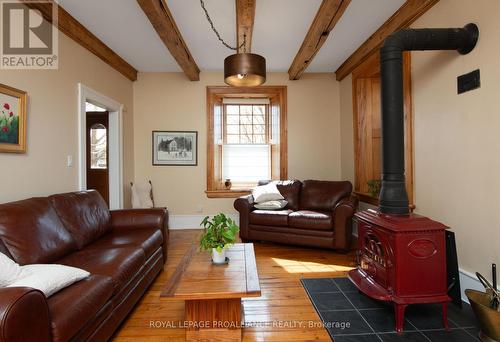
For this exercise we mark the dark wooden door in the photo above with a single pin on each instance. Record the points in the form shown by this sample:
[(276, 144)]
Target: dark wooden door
[(97, 137)]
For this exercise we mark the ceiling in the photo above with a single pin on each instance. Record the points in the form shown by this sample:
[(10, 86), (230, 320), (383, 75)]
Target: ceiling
[(279, 29)]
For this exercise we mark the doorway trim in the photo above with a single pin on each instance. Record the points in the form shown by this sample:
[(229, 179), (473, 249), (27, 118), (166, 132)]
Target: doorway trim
[(115, 109)]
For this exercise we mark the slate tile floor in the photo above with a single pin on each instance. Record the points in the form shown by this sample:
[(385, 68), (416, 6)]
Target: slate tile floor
[(339, 302)]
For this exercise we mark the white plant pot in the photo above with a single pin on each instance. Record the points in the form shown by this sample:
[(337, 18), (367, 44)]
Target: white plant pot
[(218, 258)]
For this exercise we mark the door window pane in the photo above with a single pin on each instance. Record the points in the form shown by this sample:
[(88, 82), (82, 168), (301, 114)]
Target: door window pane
[(98, 147)]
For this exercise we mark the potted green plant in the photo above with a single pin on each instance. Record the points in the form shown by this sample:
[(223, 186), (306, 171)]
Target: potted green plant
[(219, 233), (374, 187)]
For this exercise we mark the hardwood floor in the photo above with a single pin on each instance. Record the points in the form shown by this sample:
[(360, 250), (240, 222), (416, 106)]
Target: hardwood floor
[(282, 313)]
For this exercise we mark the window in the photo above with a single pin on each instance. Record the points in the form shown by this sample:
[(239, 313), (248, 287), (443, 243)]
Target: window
[(246, 140), (246, 152), (367, 129), (98, 147)]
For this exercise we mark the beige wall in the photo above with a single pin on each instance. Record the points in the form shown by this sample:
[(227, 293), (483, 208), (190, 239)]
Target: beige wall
[(167, 101), (53, 122), (457, 137)]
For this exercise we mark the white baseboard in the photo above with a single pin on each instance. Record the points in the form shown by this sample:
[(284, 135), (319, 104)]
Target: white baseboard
[(469, 281), (192, 221)]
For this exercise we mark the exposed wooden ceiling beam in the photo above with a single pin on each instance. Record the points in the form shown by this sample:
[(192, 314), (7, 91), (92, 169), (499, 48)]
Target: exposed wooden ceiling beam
[(326, 18), (410, 11), (80, 34), (245, 14), (162, 20)]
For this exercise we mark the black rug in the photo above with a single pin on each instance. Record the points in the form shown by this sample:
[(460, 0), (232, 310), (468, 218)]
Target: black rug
[(350, 316)]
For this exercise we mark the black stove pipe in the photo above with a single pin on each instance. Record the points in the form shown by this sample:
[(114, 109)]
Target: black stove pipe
[(393, 197)]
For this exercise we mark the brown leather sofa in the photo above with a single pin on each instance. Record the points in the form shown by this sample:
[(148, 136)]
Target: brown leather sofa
[(318, 214), (124, 250)]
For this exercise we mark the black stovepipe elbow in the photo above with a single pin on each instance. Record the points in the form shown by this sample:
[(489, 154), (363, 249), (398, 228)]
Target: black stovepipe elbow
[(393, 197)]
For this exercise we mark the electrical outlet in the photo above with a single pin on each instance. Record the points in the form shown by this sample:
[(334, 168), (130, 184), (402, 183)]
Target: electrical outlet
[(199, 208), (69, 161)]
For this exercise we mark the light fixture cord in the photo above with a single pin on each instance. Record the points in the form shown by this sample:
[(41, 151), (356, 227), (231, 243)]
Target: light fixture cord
[(243, 45)]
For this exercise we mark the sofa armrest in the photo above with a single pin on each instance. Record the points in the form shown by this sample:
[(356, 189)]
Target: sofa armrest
[(24, 315), (343, 213), (244, 205), (143, 218)]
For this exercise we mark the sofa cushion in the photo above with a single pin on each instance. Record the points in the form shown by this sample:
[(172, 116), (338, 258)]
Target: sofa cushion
[(49, 278), (266, 193), (290, 190), (323, 195), (84, 214), (71, 308), (311, 220), (33, 233), (270, 217), (121, 264), (11, 271), (271, 205), (149, 239)]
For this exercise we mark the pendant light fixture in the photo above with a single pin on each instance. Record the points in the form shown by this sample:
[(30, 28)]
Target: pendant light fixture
[(240, 69)]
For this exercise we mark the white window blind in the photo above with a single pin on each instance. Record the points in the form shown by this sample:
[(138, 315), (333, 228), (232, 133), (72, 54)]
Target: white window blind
[(246, 163), (250, 101)]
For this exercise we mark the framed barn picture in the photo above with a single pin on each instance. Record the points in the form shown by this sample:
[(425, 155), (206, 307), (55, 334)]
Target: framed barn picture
[(175, 148), (12, 120)]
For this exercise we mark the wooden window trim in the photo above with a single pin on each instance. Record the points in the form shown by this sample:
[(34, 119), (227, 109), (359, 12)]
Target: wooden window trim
[(371, 68), (215, 94)]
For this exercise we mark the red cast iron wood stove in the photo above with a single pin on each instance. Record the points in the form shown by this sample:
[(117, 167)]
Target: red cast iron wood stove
[(403, 255), (402, 259)]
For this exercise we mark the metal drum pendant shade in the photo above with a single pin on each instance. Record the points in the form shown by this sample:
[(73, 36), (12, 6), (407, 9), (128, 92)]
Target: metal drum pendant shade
[(244, 70)]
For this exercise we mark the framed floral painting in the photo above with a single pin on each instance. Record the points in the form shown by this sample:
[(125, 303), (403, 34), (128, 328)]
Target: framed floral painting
[(12, 119)]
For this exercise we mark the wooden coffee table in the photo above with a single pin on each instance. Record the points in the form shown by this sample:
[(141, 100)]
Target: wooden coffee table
[(213, 293)]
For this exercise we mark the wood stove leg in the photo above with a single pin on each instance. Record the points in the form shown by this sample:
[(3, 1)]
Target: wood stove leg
[(400, 316), (445, 315)]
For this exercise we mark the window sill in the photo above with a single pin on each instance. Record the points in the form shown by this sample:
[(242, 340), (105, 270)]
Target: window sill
[(234, 193)]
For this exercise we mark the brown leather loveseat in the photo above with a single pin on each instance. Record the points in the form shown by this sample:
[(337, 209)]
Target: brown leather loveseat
[(318, 214), (124, 250)]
